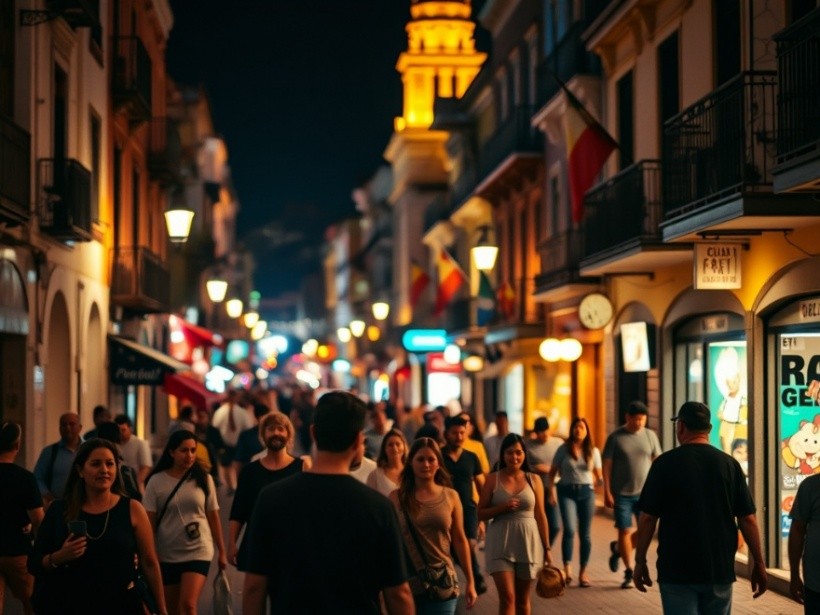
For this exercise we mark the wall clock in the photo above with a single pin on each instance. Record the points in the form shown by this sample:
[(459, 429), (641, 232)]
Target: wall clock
[(595, 311)]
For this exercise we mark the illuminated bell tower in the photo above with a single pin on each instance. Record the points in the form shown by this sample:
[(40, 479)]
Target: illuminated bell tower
[(440, 61)]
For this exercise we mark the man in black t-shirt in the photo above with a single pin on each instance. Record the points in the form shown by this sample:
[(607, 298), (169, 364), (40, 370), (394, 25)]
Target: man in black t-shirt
[(700, 496), (320, 541), (465, 470)]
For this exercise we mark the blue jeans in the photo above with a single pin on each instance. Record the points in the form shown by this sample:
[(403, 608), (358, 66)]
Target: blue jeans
[(696, 599), (553, 520), (577, 504), (425, 606)]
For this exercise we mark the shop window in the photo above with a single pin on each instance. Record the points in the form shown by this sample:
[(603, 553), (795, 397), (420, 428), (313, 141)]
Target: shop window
[(513, 396)]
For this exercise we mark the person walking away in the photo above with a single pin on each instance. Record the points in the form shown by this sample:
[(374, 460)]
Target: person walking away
[(492, 444), (180, 498), (99, 415), (628, 453), (230, 419), (21, 513), (276, 431), (432, 525), (379, 426), (355, 548), (578, 462), (248, 445), (54, 463), (804, 545), (699, 495), (465, 471), (390, 463), (136, 452), (85, 551), (512, 501), (541, 449)]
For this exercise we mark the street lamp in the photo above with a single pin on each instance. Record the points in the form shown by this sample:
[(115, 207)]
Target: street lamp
[(217, 289), (234, 308), (381, 310), (343, 333), (484, 252), (178, 224), (550, 349), (251, 318), (357, 327)]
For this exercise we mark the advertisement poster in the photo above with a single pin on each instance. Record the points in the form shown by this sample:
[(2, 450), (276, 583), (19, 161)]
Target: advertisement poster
[(728, 399), (799, 412)]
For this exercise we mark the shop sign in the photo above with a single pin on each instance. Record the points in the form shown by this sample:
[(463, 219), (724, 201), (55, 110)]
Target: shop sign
[(437, 363), (424, 340), (717, 265), (810, 310), (714, 324)]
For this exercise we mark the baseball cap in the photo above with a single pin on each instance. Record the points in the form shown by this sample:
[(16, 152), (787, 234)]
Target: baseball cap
[(637, 407), (541, 424), (695, 415)]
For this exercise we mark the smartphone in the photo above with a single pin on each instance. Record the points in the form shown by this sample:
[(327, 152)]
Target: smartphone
[(78, 527)]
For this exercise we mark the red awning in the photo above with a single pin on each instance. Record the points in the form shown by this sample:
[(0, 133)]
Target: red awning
[(199, 336), (186, 388)]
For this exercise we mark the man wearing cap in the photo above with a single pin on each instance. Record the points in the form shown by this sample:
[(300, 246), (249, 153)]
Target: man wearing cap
[(540, 451), (699, 495), (628, 453)]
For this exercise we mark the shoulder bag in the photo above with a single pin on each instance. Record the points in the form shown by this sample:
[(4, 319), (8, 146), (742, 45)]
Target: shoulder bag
[(438, 582)]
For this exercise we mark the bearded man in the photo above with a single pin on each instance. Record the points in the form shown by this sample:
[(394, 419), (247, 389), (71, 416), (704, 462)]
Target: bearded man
[(276, 434)]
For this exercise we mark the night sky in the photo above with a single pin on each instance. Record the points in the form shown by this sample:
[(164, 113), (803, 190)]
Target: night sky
[(304, 93)]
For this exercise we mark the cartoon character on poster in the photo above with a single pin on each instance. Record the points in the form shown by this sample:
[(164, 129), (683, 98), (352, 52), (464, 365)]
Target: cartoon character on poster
[(727, 397)]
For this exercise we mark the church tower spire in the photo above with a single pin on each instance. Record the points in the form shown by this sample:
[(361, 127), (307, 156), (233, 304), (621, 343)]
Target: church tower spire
[(441, 59)]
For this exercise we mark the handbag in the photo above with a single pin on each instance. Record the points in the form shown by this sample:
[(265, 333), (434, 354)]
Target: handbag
[(550, 582), (438, 582), (144, 592), (222, 595)]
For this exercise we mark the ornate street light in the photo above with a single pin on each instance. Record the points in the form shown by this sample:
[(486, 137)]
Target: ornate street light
[(178, 224), (251, 318), (571, 349), (234, 308), (473, 363), (381, 310), (484, 252), (357, 327), (550, 349), (217, 289)]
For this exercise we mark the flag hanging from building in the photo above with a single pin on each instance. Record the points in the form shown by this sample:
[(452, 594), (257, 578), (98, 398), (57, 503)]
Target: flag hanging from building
[(505, 300), (418, 282), (588, 147), (485, 300), (450, 279)]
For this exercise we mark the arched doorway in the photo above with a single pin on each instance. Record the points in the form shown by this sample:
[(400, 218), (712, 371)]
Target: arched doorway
[(95, 373), (58, 368), (13, 330)]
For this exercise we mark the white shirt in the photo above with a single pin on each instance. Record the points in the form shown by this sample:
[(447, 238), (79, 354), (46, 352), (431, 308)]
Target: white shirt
[(136, 453), (362, 473), (242, 421)]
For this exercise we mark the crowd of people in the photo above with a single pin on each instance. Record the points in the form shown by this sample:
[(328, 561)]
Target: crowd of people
[(413, 494)]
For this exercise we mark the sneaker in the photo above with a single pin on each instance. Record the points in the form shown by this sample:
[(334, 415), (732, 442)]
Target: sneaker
[(615, 557), (480, 585), (627, 579)]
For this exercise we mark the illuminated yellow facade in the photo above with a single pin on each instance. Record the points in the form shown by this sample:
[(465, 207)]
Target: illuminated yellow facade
[(441, 59)]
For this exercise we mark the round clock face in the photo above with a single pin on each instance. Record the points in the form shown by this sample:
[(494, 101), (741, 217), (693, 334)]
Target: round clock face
[(595, 311)]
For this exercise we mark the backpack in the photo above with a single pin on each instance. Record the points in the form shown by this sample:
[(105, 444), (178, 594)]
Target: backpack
[(129, 482)]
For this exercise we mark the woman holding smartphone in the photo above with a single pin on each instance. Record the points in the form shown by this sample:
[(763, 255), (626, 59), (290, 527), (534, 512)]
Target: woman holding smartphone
[(83, 558), (181, 502)]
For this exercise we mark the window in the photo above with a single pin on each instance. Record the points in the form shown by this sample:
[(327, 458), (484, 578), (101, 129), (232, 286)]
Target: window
[(668, 78), (727, 40), (7, 21), (95, 130), (503, 95), (553, 206), (626, 124)]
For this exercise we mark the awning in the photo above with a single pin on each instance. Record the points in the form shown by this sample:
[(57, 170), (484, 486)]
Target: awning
[(186, 388), (133, 363), (199, 336)]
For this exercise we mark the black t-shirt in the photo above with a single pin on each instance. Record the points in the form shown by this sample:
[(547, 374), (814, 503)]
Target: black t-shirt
[(18, 494), (248, 445), (463, 473), (697, 492), (327, 543)]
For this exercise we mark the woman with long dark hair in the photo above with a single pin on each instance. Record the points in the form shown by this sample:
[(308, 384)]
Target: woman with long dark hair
[(389, 464), (83, 559), (181, 502), (432, 523), (517, 543), (578, 462)]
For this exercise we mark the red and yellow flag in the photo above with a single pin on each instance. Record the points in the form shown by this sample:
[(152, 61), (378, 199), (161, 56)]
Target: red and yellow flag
[(505, 300), (588, 147), (450, 279), (418, 282)]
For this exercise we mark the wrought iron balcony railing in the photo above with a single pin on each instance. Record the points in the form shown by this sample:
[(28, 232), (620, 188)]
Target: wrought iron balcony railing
[(515, 135), (567, 59), (15, 152), (798, 72), (720, 146), (560, 260), (164, 150), (65, 199), (624, 209), (140, 281), (132, 77)]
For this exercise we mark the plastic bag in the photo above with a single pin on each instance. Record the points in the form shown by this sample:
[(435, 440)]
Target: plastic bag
[(223, 601)]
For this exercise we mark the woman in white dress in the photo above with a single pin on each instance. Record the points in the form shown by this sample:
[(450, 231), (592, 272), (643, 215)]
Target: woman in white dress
[(390, 463)]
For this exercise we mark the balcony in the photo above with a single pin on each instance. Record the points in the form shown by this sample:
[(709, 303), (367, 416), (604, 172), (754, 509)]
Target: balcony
[(798, 110), (515, 147), (622, 219), (458, 316), (567, 59), (560, 276), (15, 152), (140, 281), (132, 78), (164, 151), (65, 199), (717, 164)]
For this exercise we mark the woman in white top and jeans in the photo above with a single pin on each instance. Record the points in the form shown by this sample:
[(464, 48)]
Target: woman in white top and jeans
[(181, 502), (578, 463)]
